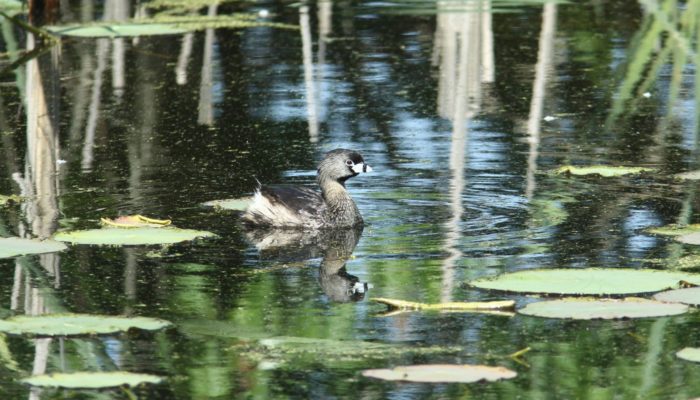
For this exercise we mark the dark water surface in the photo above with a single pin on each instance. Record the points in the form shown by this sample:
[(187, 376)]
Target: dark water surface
[(461, 114)]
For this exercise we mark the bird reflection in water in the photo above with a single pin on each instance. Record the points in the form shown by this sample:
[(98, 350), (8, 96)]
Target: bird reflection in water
[(333, 246)]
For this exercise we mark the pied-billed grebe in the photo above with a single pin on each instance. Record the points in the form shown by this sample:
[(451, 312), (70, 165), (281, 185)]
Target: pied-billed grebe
[(305, 208)]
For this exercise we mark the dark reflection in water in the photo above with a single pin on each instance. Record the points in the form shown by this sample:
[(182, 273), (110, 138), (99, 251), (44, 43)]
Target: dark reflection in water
[(334, 246), (462, 113)]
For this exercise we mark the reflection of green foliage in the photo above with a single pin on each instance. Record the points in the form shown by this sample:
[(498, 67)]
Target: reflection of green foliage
[(665, 34), (548, 212)]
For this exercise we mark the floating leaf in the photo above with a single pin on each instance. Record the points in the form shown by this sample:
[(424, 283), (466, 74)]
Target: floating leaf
[(14, 246), (689, 296), (689, 238), (674, 230), (230, 204), (476, 305), (4, 200), (116, 30), (689, 354), (589, 281), (445, 373), (76, 324), (135, 221), (690, 175), (91, 380), (164, 25), (134, 236), (590, 308), (602, 170)]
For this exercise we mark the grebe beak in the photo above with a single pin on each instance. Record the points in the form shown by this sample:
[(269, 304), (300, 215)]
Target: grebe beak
[(361, 167)]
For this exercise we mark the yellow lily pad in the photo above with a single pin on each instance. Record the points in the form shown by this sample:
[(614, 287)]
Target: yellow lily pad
[(134, 221)]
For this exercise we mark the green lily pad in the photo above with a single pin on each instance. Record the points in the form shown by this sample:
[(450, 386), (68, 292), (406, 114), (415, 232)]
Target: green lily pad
[(674, 230), (116, 30), (606, 171), (690, 296), (230, 204), (4, 200), (164, 25), (441, 373), (14, 246), (589, 281), (689, 238), (76, 324), (91, 380), (133, 236), (590, 308), (689, 175), (689, 354)]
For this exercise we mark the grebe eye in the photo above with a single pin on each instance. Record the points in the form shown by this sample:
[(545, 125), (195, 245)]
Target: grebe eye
[(349, 163)]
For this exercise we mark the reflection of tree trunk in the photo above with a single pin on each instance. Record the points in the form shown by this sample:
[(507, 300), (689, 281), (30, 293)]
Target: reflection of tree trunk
[(94, 110), (311, 107), (184, 58), (130, 271), (117, 10), (542, 69), (42, 152), (206, 87), (325, 26), (464, 51)]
